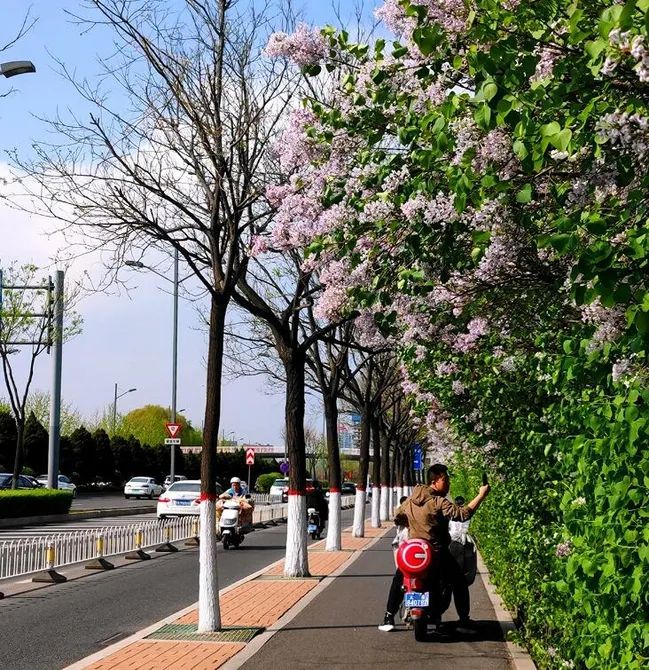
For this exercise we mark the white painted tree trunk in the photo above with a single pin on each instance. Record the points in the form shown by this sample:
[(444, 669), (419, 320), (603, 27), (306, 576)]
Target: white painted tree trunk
[(384, 511), (358, 528), (376, 507), (209, 613), (334, 531), (296, 562), (391, 504), (398, 494)]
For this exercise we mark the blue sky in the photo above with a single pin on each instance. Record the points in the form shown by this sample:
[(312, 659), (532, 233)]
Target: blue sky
[(126, 337)]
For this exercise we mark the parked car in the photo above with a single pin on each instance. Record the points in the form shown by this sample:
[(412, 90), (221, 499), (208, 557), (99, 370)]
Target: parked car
[(24, 482), (64, 484), (279, 489), (182, 498), (142, 487), (177, 478)]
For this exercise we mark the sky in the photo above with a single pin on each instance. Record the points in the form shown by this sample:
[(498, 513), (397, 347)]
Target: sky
[(127, 334)]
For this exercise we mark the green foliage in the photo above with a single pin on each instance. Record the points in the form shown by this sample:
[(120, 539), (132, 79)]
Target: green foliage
[(147, 424), (34, 503), (264, 482), (552, 396)]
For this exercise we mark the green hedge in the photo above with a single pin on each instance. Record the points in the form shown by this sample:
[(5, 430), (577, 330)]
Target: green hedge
[(264, 482), (34, 503)]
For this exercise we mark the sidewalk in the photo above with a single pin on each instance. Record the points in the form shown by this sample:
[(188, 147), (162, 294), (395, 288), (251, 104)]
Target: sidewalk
[(327, 620)]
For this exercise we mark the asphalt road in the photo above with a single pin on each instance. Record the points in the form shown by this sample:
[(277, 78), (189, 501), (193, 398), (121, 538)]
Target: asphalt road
[(88, 501), (58, 625)]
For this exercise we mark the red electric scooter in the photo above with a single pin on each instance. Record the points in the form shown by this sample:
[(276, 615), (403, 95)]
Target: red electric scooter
[(417, 559)]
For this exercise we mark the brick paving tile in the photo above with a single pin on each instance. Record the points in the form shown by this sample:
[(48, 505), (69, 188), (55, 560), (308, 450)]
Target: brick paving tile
[(163, 655), (265, 602), (320, 562)]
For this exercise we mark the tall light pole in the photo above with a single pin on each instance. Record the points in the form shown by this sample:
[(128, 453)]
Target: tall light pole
[(117, 397), (174, 346)]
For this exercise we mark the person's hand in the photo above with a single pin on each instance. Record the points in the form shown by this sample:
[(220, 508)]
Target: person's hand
[(484, 490)]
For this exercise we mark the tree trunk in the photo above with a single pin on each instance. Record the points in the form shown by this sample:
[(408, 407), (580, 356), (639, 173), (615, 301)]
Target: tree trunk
[(358, 529), (209, 615), (394, 501), (296, 562), (376, 472), (334, 530), (384, 510), (20, 446)]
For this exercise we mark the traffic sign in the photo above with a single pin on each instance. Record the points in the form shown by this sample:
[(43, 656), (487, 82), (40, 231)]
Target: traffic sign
[(250, 456), (173, 430), (283, 467), (172, 440), (417, 457)]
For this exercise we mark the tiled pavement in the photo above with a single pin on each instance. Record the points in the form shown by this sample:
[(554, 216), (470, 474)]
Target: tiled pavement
[(267, 598)]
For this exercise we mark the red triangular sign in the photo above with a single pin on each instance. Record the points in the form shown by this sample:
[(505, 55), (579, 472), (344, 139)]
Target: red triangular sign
[(173, 429)]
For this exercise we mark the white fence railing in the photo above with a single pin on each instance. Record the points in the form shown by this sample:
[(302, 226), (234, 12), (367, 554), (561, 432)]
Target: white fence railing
[(24, 555)]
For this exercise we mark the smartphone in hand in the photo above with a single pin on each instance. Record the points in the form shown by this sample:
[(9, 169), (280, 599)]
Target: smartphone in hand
[(485, 481)]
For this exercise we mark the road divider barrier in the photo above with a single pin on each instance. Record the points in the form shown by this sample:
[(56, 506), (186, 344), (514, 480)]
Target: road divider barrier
[(49, 575), (138, 554), (44, 554)]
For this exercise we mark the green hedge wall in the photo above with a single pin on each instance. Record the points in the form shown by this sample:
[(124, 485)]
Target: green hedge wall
[(34, 503)]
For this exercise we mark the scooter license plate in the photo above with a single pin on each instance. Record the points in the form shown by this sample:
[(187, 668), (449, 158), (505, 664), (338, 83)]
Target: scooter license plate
[(414, 599), (312, 528)]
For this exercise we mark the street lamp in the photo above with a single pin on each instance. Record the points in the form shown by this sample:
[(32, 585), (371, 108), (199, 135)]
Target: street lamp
[(15, 67), (117, 397), (174, 365)]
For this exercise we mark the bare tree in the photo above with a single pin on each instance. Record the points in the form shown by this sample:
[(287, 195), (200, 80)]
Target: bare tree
[(181, 166)]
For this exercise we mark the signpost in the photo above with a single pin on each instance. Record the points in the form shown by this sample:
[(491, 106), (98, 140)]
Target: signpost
[(250, 461), (417, 458), (173, 431), (283, 467)]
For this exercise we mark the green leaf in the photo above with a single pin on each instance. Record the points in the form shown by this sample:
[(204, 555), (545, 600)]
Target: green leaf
[(525, 194), (642, 322), (550, 129), (489, 90), (562, 139)]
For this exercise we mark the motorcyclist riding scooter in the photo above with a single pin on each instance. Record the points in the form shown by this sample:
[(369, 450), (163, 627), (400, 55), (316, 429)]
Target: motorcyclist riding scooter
[(424, 560), (234, 510)]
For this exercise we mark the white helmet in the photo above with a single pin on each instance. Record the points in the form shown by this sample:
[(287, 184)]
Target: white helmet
[(235, 480)]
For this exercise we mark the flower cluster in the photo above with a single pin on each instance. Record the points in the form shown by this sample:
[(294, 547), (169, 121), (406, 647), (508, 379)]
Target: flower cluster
[(306, 46), (548, 57), (563, 549)]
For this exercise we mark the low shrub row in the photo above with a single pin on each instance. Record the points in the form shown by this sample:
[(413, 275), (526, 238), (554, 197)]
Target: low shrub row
[(34, 503)]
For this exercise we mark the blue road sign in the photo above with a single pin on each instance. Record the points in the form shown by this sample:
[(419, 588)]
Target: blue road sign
[(417, 457), (355, 419)]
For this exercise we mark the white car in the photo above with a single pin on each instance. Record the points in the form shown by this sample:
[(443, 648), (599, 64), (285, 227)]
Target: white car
[(279, 491), (64, 484), (180, 498), (177, 478), (142, 487)]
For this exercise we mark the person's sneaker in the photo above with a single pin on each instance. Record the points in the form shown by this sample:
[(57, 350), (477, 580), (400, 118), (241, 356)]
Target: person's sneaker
[(466, 627), (388, 623)]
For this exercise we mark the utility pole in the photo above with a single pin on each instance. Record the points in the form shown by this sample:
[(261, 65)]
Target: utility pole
[(174, 364), (55, 399)]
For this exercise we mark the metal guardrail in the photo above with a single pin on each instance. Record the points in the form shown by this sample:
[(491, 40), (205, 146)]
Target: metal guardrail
[(30, 554)]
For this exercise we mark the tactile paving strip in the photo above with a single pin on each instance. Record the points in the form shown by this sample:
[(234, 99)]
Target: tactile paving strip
[(182, 631)]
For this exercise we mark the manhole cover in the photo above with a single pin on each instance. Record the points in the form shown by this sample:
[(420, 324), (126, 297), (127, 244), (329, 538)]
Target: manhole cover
[(188, 631)]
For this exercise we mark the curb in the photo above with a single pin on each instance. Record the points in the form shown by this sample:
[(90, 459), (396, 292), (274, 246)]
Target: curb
[(75, 516), (519, 657)]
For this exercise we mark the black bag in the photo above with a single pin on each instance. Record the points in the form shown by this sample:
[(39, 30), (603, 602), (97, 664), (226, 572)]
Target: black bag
[(466, 556)]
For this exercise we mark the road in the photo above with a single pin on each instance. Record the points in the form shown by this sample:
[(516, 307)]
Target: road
[(55, 626), (88, 501)]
